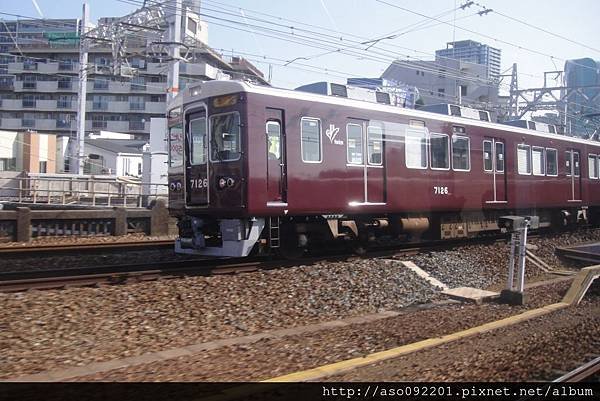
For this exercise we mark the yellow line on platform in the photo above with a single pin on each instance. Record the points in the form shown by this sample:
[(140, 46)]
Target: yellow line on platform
[(350, 364)]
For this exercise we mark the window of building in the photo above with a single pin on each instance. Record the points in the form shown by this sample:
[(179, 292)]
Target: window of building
[(225, 137), (461, 157), (463, 90), (375, 145), (524, 159), (354, 144), (8, 164), (593, 166), (440, 151), (43, 167), (192, 25), (537, 160), (487, 156), (551, 162), (311, 140), (415, 148), (441, 92), (274, 140), (198, 141)]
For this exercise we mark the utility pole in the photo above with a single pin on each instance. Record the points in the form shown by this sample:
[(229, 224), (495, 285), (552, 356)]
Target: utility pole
[(174, 50), (82, 92)]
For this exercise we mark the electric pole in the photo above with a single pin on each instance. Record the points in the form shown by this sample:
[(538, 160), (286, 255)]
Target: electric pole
[(82, 92), (174, 50)]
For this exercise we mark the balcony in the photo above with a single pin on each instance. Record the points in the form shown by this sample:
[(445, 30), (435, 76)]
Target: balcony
[(137, 106), (101, 106), (28, 103), (137, 126), (138, 87), (7, 85), (27, 66), (11, 123), (156, 107), (65, 84), (29, 85), (64, 104), (98, 124), (100, 84), (40, 86), (28, 122), (63, 124), (66, 66)]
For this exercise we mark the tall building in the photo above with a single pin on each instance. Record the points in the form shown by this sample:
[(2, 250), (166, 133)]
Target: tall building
[(473, 52), (582, 105), (39, 78), (446, 81)]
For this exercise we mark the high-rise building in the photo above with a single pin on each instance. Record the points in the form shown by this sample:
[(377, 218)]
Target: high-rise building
[(39, 67), (582, 105), (473, 52)]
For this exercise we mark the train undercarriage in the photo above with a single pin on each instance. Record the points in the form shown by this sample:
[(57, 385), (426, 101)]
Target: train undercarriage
[(292, 236)]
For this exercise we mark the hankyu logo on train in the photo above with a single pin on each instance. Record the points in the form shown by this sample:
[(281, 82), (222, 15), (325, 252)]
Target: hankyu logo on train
[(331, 133)]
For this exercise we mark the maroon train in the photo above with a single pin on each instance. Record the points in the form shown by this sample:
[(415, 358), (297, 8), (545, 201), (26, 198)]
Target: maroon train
[(256, 168)]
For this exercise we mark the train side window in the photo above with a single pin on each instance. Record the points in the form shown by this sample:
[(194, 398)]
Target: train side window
[(439, 145), (499, 157), (311, 140), (487, 156), (274, 140), (415, 148), (551, 162), (593, 166), (576, 163), (537, 161), (524, 159), (198, 141), (461, 153), (375, 145), (354, 144), (568, 163)]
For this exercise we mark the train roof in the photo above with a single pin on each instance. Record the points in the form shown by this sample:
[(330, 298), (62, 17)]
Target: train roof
[(216, 88)]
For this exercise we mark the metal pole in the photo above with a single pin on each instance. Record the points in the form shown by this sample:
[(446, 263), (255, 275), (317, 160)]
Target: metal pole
[(175, 37), (82, 90), (522, 255)]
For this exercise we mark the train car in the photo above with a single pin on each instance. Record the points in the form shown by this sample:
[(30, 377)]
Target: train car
[(261, 169)]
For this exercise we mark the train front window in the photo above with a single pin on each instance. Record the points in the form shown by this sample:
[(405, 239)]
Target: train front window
[(198, 139), (225, 137)]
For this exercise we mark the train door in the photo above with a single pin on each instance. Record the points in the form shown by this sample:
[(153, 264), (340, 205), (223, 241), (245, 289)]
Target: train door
[(375, 166), (197, 188), (494, 166), (275, 153), (573, 167), (364, 146)]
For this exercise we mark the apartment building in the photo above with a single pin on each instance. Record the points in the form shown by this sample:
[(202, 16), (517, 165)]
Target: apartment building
[(39, 78)]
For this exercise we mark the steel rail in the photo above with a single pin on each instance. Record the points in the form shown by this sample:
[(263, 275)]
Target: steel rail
[(14, 251), (581, 373)]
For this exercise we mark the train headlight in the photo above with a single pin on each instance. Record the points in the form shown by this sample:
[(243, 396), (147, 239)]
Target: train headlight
[(230, 182), (222, 183)]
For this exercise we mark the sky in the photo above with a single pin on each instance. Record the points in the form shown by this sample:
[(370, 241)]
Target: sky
[(533, 50)]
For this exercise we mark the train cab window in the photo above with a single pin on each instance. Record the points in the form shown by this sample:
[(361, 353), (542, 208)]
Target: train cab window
[(375, 145), (551, 162), (274, 140), (593, 166), (354, 144), (487, 156), (537, 161), (225, 137), (440, 151), (524, 159), (198, 138), (311, 140), (499, 157), (461, 153), (415, 148)]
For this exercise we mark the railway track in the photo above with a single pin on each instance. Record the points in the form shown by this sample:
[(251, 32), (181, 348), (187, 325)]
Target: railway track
[(43, 250), (581, 373)]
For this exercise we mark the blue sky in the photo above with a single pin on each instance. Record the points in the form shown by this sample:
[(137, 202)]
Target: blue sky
[(575, 20)]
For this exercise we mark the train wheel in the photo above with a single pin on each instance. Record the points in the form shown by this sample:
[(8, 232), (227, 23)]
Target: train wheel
[(289, 248)]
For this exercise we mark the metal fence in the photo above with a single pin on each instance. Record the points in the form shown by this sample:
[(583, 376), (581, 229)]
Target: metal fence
[(107, 191)]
